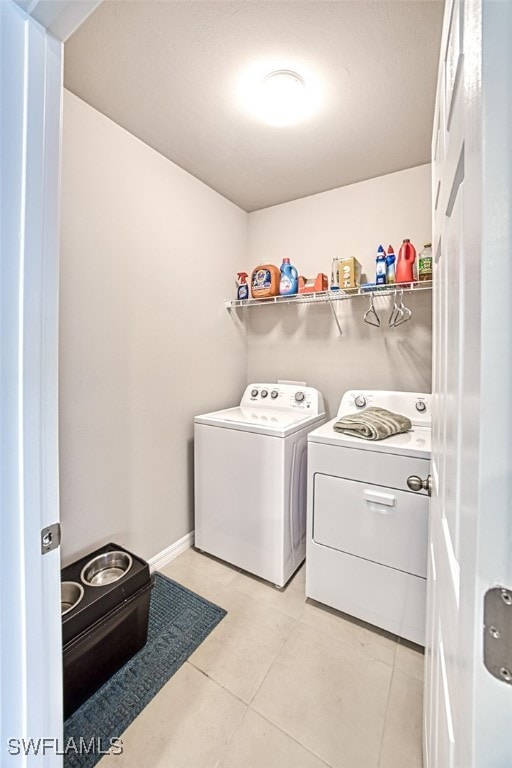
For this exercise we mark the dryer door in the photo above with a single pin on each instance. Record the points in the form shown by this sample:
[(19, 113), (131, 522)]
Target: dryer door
[(380, 524)]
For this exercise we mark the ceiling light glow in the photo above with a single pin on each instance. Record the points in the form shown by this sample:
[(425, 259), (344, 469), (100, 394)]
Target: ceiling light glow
[(281, 98), (272, 91)]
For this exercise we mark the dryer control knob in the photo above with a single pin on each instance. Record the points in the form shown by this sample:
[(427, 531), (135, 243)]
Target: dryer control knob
[(421, 407), (299, 397), (254, 393), (274, 394), (360, 401), (264, 393)]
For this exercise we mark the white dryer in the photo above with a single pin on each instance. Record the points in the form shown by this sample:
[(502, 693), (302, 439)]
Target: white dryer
[(367, 520), (251, 476)]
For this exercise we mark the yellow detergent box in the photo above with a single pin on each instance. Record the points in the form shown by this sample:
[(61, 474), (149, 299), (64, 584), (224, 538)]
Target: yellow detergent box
[(349, 271)]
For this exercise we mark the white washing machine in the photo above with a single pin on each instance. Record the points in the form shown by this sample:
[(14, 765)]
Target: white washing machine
[(251, 477), (367, 520)]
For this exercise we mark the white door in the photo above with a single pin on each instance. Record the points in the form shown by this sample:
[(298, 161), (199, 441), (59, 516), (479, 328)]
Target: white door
[(30, 623), (30, 581), (468, 711)]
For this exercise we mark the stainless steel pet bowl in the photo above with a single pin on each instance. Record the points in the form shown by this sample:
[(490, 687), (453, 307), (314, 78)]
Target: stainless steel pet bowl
[(106, 568), (70, 595)]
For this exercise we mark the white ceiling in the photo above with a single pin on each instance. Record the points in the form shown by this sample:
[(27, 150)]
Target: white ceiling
[(168, 71)]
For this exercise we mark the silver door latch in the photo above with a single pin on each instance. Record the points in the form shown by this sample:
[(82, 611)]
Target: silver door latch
[(50, 538), (498, 633)]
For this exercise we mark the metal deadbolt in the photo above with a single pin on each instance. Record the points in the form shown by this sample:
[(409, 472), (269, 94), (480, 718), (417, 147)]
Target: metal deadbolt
[(415, 483)]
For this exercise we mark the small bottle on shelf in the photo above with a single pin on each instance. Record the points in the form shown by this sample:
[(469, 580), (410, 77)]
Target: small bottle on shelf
[(390, 266), (380, 276), (242, 291), (425, 263), (335, 275)]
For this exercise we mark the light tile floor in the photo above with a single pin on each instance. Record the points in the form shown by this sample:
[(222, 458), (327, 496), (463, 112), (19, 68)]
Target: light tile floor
[(281, 682)]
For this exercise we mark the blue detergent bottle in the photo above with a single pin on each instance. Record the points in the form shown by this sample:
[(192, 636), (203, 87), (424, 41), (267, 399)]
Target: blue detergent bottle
[(381, 266), (289, 282)]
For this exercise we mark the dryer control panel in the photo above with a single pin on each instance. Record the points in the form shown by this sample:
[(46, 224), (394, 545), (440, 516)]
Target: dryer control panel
[(417, 406), (283, 397)]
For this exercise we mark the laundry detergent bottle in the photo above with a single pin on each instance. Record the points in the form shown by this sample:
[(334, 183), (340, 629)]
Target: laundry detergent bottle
[(265, 281), (404, 272), (289, 282)]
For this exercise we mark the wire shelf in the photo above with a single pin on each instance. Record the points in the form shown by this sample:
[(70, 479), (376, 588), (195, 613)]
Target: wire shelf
[(330, 296)]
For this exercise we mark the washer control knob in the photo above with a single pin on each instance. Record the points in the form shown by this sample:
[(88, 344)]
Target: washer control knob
[(299, 397), (274, 394), (254, 393), (421, 407), (263, 393), (360, 401)]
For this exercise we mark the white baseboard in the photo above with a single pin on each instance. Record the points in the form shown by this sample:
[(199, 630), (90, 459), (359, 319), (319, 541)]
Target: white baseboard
[(168, 554)]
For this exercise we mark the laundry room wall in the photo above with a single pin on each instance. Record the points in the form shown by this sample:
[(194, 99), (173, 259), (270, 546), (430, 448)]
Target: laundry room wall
[(302, 342), (148, 254)]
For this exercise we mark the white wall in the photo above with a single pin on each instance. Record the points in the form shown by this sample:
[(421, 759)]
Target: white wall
[(298, 342), (148, 254)]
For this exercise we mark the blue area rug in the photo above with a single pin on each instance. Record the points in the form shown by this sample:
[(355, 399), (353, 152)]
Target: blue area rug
[(179, 620)]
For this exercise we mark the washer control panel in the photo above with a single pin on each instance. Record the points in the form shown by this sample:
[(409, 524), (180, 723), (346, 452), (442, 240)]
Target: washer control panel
[(283, 397)]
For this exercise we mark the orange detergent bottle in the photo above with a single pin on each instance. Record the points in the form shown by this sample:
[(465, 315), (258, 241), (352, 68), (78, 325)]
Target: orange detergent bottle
[(265, 281), (404, 272)]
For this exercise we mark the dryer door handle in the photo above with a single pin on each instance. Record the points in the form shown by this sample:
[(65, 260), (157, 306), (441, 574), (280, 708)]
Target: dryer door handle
[(415, 483), (378, 497)]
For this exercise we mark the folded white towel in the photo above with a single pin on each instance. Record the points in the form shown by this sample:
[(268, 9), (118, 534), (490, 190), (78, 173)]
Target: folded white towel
[(373, 424)]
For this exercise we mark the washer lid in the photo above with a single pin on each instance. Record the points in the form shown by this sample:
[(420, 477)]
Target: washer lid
[(264, 422), (416, 442)]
